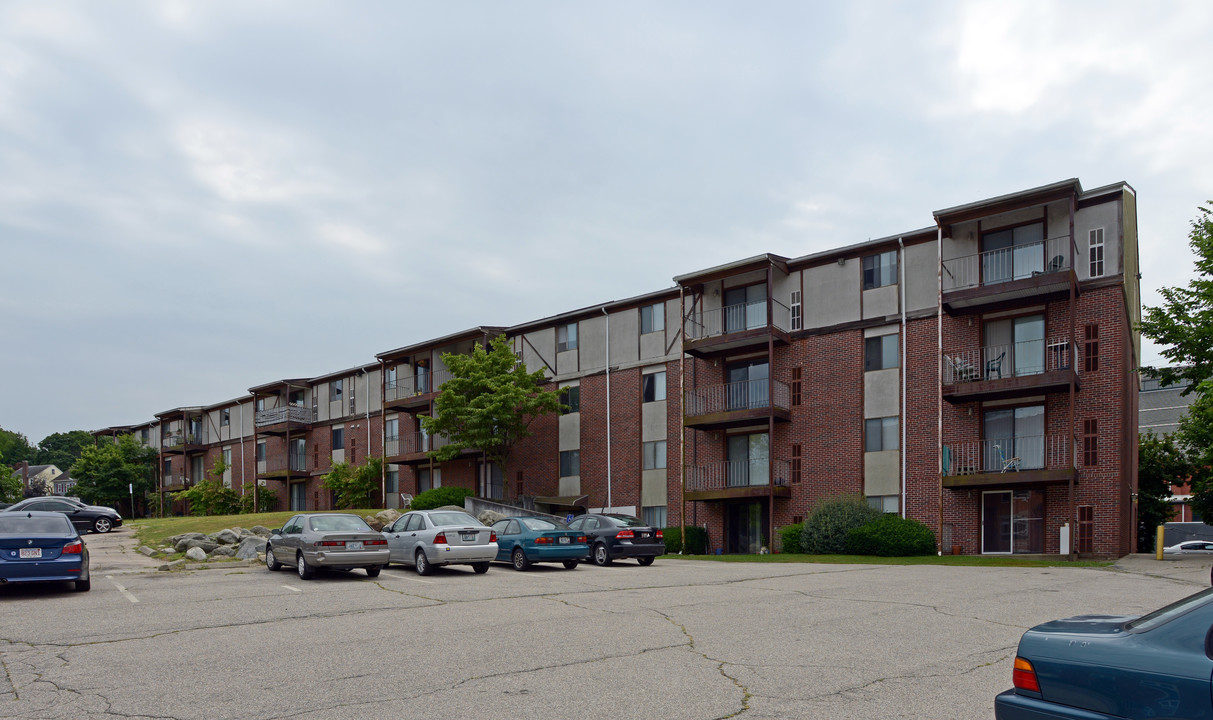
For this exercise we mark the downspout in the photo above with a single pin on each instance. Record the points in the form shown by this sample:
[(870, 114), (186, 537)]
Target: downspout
[(1071, 442), (939, 374), (770, 543), (383, 431), (610, 504), (682, 407), (905, 345), (242, 481)]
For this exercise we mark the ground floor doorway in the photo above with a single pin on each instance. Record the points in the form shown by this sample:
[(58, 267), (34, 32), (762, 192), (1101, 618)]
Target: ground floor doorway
[(1012, 521), (298, 497), (745, 527)]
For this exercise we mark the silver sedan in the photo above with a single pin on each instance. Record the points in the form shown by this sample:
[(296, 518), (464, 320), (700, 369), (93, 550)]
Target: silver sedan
[(337, 541), (426, 539), (1190, 547)]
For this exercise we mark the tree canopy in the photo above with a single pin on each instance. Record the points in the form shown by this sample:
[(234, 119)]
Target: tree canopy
[(488, 404), (10, 482), (1195, 434), (1183, 324), (15, 447), (354, 485), (62, 449), (106, 470), (1160, 462)]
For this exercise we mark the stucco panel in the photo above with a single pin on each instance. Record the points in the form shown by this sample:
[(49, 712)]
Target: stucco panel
[(881, 473), (831, 294), (570, 431), (881, 302), (570, 485), (652, 487), (592, 338), (921, 276), (882, 393), (653, 421), (625, 329)]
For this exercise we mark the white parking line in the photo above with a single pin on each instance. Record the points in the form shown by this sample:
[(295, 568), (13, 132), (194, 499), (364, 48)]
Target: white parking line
[(292, 589), (410, 577), (125, 593)]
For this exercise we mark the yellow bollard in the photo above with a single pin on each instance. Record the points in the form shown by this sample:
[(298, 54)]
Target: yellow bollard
[(1158, 543)]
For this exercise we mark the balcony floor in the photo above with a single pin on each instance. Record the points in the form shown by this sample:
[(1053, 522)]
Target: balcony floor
[(735, 418), (740, 492), (734, 342), (988, 480), (1011, 387), (1013, 293)]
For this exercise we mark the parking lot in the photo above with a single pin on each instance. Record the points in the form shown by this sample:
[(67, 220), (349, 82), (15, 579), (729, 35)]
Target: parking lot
[(679, 639)]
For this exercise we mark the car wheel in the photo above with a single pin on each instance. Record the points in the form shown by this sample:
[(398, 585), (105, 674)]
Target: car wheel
[(422, 563), (646, 560), (602, 557), (518, 557), (480, 568), (103, 525), (83, 585), (373, 571), (305, 571), (570, 564), (271, 562)]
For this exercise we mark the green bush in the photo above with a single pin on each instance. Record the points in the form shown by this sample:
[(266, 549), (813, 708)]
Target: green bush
[(891, 536), (790, 535), (267, 500), (696, 540), (438, 497), (825, 530), (673, 539), (210, 497)]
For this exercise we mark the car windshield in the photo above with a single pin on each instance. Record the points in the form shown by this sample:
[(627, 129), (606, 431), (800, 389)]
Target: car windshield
[(624, 520), (1170, 612), (452, 517), (540, 525), (26, 525), (339, 523)]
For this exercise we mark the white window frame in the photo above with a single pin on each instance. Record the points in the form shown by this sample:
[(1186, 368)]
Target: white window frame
[(797, 309), (1095, 252), (566, 337)]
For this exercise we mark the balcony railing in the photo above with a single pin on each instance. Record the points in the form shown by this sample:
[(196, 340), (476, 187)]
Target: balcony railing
[(993, 267), (173, 481), (736, 318), (292, 461), (1012, 454), (411, 443), (178, 439), (737, 473), (738, 396), (996, 362), (419, 384), (286, 413)]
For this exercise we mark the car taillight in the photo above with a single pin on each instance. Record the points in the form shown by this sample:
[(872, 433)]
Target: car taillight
[(659, 535), (331, 543), (374, 542), (625, 535), (581, 538), (543, 541), (493, 536), (440, 538), (1024, 676), (73, 548)]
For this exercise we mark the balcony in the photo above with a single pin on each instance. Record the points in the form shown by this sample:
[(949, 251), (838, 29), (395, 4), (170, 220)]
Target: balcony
[(285, 419), (411, 448), (173, 483), (285, 466), (1007, 277), (415, 391), (1007, 371), (718, 407), (730, 480), (177, 443), (1021, 460), (734, 328)]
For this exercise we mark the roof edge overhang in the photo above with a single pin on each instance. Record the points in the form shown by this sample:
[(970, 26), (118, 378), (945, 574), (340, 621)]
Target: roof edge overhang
[(280, 385), (469, 334), (595, 310), (1007, 203), (756, 262), (925, 234)]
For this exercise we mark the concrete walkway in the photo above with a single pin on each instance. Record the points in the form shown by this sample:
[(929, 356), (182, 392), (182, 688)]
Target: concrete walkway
[(1192, 569)]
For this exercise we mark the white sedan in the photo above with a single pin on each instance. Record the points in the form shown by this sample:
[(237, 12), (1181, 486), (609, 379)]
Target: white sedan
[(427, 539), (1190, 547)]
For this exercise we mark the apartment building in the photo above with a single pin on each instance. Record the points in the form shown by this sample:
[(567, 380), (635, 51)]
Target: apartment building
[(978, 375)]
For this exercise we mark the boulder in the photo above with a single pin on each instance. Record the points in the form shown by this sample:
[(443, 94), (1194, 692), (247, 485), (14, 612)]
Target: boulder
[(196, 553), (250, 546), (226, 537), (185, 536), (451, 507), (261, 531), (204, 543), (173, 565), (488, 517), (224, 551), (375, 524), (387, 517), (146, 550)]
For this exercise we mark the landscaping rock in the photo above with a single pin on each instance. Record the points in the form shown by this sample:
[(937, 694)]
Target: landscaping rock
[(250, 547), (146, 550), (204, 543), (376, 525), (224, 551), (196, 553), (185, 536), (387, 517), (174, 564), (227, 537), (261, 531), (488, 517)]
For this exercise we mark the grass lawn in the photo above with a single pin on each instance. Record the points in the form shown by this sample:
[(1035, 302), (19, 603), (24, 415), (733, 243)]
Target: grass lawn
[(154, 531), (962, 560)]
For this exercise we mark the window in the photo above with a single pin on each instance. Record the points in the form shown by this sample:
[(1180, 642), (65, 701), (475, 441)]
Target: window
[(566, 337), (1014, 439), (745, 308), (1090, 442), (143, 435), (884, 503), (654, 455), (391, 429), (295, 398), (880, 353), (570, 397), (880, 434), (654, 516), (335, 390), (260, 452), (570, 463), (797, 456), (1014, 347), (1090, 351), (227, 462), (1095, 252), (652, 318), (797, 311), (748, 459), (1015, 253), (260, 404), (796, 387), (338, 438), (225, 417), (393, 481), (168, 465), (390, 378), (429, 479), (880, 270), (654, 387)]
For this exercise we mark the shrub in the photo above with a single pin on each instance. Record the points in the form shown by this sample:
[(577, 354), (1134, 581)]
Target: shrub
[(267, 500), (789, 536), (210, 497), (673, 539), (438, 497), (696, 540), (825, 530), (891, 536)]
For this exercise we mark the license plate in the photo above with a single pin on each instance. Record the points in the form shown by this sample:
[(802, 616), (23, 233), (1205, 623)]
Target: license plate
[(353, 545), (564, 540), (644, 535), (30, 553), (468, 536)]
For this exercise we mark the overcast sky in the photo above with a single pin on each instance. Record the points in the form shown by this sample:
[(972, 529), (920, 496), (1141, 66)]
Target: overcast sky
[(198, 197)]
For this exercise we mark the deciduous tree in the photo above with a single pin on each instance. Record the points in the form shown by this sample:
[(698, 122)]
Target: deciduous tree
[(353, 486), (62, 449), (105, 472), (1160, 462), (1195, 434)]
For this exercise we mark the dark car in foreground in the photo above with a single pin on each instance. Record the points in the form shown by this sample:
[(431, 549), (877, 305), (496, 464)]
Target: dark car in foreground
[(331, 541), (40, 546), (85, 517), (1105, 667), (613, 535), (525, 540)]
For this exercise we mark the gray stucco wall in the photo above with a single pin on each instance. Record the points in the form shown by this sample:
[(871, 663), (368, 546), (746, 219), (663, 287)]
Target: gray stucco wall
[(882, 302), (881, 473), (921, 276), (882, 393), (570, 431), (653, 420), (831, 293), (652, 487)]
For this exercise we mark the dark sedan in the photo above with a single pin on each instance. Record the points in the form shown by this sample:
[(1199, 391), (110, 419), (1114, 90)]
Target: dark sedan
[(42, 547), (1105, 667), (85, 517), (612, 536)]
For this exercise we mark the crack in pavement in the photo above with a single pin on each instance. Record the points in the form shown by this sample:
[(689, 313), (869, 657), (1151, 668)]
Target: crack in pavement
[(746, 695)]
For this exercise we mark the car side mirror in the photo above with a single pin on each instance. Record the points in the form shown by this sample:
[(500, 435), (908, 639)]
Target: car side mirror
[(276, 531)]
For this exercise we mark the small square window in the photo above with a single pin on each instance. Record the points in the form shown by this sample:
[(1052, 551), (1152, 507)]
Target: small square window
[(225, 417), (654, 387), (654, 516), (880, 353), (570, 397), (654, 455), (566, 337), (335, 390), (880, 434), (880, 270), (570, 463), (652, 318)]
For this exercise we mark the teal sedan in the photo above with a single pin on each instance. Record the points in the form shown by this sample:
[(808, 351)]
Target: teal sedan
[(525, 540)]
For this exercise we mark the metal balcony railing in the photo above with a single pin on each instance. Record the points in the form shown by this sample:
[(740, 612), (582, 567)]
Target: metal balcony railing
[(1011, 454), (286, 413), (1005, 264), (996, 362), (173, 481), (737, 473), (419, 384), (736, 396), (177, 439), (736, 318)]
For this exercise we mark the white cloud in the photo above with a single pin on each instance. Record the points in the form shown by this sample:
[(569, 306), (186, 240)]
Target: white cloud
[(245, 165), (350, 237)]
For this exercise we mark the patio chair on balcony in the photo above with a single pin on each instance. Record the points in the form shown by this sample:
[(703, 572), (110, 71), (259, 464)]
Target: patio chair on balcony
[(994, 367), (1007, 463)]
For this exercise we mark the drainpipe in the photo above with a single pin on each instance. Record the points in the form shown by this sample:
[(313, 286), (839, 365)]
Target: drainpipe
[(939, 375), (383, 432), (905, 345), (682, 404), (610, 504), (242, 482)]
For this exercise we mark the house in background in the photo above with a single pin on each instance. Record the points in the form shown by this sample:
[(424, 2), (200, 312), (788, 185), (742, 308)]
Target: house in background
[(42, 477)]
